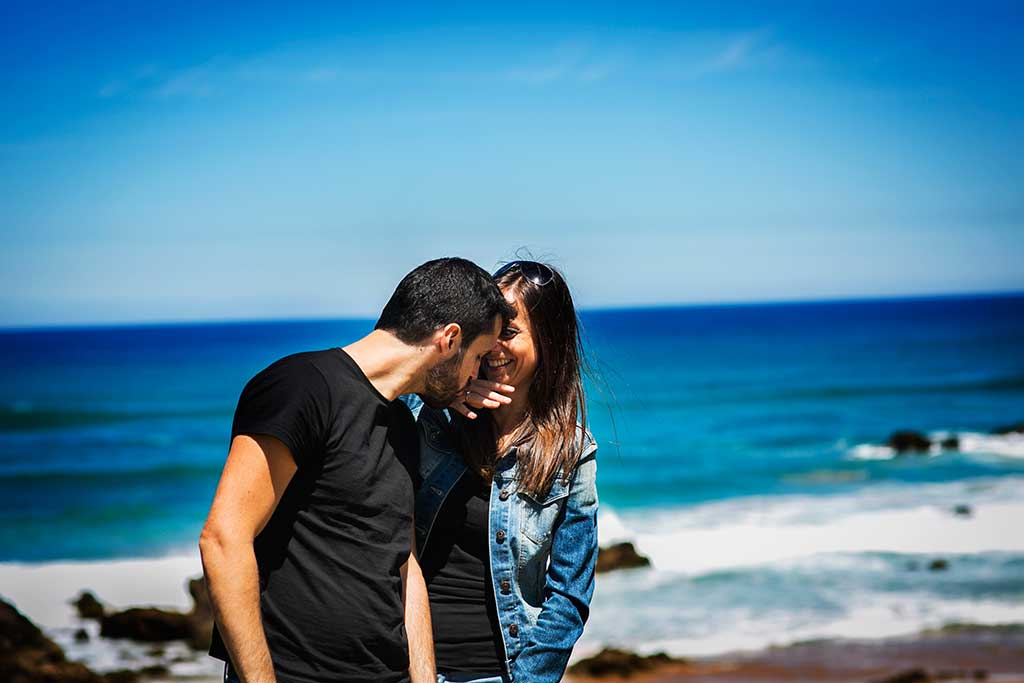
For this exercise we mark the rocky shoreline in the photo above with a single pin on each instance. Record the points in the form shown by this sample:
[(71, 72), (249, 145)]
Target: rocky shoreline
[(28, 655), (956, 652), (154, 639), (151, 624)]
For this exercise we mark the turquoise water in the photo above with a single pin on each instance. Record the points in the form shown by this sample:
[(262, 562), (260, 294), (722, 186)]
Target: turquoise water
[(111, 439)]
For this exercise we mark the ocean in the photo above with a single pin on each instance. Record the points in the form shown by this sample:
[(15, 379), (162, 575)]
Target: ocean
[(741, 448)]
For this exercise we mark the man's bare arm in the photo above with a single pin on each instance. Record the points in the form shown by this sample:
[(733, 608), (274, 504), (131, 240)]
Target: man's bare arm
[(417, 621), (256, 474)]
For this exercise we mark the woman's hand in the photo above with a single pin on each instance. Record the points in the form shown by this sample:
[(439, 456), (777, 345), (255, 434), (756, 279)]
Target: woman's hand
[(481, 393)]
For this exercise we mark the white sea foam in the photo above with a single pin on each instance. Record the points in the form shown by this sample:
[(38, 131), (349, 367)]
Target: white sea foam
[(870, 451), (895, 518), (610, 527), (738, 574), (808, 509), (1006, 445), (919, 530)]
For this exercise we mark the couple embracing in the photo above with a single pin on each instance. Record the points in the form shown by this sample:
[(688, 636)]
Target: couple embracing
[(424, 494)]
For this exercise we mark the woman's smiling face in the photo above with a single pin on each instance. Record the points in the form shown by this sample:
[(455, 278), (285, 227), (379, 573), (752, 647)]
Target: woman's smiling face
[(513, 358)]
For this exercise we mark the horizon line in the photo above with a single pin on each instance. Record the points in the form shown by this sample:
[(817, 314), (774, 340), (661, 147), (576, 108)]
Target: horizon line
[(56, 327)]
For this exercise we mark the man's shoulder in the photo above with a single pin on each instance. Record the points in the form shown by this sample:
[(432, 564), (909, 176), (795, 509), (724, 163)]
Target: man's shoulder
[(305, 359), (308, 373), (305, 364)]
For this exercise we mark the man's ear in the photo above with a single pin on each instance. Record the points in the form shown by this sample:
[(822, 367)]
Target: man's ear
[(449, 340)]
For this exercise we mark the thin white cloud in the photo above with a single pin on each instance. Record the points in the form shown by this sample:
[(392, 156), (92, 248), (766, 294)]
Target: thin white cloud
[(219, 74), (199, 81), (570, 61), (734, 53), (670, 56)]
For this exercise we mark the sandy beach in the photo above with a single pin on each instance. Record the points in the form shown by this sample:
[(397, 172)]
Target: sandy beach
[(967, 654)]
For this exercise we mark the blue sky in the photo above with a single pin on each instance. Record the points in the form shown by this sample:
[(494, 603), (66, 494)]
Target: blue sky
[(183, 161)]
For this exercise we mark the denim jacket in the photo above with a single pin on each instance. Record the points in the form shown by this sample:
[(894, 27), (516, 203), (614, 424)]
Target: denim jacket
[(542, 551)]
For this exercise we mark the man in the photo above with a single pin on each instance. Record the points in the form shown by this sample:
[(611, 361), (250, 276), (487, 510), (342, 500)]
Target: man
[(307, 548)]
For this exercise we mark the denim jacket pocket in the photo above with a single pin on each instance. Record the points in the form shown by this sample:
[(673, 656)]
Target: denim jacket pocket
[(540, 512), (537, 518)]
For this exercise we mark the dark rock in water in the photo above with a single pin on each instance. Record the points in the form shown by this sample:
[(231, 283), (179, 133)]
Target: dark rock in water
[(28, 656), (200, 597), (938, 565), (89, 607), (122, 676), (201, 616), (908, 676), (909, 442), (614, 662), (147, 624), (81, 636), (1015, 428), (153, 625), (620, 556), (157, 670), (962, 511), (950, 443)]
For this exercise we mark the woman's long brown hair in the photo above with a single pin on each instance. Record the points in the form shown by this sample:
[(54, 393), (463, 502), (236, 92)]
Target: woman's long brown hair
[(548, 440)]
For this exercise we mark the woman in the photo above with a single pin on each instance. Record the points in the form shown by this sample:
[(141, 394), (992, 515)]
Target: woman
[(506, 515)]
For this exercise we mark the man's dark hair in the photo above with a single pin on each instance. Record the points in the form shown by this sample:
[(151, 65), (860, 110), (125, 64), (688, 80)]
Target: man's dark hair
[(442, 291)]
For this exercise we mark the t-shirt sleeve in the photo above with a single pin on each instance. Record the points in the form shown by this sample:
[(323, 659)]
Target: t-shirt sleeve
[(290, 400)]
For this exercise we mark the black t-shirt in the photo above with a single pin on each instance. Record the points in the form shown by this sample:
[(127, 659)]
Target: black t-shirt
[(330, 557), (456, 566)]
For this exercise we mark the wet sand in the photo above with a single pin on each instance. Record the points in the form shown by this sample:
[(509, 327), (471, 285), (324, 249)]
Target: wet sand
[(978, 653)]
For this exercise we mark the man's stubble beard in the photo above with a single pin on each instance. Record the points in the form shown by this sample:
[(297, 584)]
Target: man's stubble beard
[(442, 383)]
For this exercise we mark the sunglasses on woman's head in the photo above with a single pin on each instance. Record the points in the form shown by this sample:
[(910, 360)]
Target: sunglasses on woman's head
[(537, 273)]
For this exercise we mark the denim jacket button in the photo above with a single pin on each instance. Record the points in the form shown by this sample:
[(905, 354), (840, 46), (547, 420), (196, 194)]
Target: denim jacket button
[(500, 536), (513, 630), (503, 495), (506, 587)]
